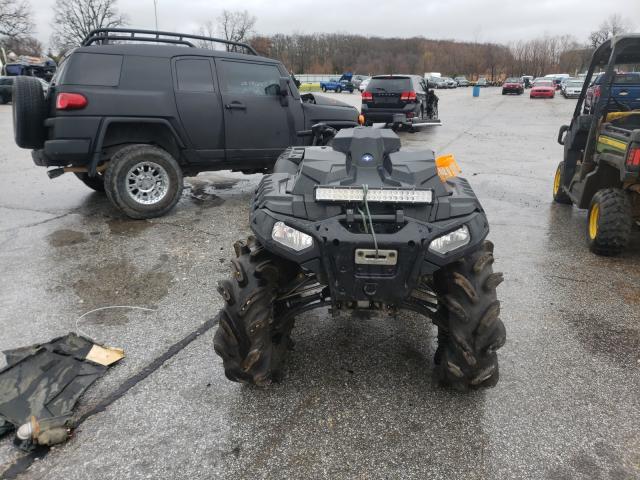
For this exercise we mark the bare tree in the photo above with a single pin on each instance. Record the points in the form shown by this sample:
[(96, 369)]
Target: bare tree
[(22, 45), (615, 24), (15, 18), (236, 26), (74, 19)]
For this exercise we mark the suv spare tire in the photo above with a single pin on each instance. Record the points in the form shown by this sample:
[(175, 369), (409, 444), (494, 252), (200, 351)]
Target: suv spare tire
[(29, 112)]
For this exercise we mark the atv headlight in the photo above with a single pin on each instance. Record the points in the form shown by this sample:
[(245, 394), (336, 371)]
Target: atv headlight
[(452, 240), (381, 195), (290, 237)]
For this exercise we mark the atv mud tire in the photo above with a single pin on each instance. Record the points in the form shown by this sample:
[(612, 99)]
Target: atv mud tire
[(559, 195), (469, 328), (609, 222), (252, 339)]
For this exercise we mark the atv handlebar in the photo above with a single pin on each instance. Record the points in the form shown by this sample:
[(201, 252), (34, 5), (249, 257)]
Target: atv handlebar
[(321, 132)]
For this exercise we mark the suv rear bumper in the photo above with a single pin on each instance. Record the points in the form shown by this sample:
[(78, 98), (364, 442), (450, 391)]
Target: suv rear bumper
[(68, 141), (386, 115), (63, 152)]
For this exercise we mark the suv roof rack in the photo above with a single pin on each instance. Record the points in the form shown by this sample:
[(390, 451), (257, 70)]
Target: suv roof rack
[(103, 36)]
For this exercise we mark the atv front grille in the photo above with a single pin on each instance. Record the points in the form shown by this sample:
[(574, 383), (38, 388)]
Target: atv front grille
[(359, 227)]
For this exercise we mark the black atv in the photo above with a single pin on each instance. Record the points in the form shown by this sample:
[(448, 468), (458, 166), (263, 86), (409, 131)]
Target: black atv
[(362, 225)]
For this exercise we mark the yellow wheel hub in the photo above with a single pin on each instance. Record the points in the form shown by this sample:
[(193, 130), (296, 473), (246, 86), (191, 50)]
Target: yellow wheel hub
[(594, 216), (556, 182)]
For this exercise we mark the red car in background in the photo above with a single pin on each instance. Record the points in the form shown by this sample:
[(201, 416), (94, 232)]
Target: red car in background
[(513, 85), (543, 89)]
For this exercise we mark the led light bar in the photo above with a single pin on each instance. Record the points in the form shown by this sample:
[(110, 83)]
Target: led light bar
[(379, 195)]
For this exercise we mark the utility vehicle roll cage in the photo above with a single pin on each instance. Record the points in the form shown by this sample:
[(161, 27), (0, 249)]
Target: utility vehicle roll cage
[(103, 36), (620, 49), (617, 50)]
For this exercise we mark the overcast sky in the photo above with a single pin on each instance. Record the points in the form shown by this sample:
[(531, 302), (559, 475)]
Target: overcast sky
[(482, 20)]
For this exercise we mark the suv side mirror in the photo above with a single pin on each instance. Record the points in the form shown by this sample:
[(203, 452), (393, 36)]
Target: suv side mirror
[(284, 91)]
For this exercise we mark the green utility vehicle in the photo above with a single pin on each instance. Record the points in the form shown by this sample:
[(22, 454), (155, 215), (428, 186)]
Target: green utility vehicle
[(601, 166)]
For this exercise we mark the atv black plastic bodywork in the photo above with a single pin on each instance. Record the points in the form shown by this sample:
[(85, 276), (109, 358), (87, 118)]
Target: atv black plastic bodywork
[(372, 157)]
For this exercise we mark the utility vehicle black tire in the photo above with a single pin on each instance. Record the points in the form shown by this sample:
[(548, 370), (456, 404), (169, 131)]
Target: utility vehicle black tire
[(29, 112), (251, 338), (469, 328), (338, 90), (324, 89), (609, 222), (559, 195), (3, 100), (94, 183), (148, 159)]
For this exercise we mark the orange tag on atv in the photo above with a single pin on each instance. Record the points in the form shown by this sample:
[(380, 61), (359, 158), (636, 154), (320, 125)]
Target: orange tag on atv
[(447, 167)]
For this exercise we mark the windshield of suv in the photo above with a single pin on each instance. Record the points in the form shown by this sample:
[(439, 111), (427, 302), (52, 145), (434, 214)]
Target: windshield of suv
[(574, 83), (389, 84)]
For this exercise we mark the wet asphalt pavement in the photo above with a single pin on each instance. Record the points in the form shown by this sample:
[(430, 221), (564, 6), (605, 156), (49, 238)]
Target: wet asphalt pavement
[(358, 400)]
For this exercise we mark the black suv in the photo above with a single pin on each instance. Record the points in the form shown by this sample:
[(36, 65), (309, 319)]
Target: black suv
[(400, 101), (132, 111)]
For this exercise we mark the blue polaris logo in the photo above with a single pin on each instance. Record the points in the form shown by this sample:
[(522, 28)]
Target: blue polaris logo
[(367, 157)]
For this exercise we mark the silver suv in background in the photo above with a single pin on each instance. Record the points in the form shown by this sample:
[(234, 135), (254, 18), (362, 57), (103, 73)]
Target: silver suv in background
[(572, 88)]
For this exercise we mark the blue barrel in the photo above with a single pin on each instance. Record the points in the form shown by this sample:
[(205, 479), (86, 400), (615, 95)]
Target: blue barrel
[(476, 90)]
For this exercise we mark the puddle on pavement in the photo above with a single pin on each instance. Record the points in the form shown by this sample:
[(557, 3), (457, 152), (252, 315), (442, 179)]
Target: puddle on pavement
[(599, 337), (120, 283), (65, 238), (206, 192), (205, 197), (127, 227)]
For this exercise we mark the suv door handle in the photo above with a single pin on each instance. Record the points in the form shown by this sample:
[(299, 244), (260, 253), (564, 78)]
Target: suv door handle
[(235, 106)]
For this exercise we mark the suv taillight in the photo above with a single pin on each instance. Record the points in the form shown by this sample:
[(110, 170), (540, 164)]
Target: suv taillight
[(367, 97), (596, 91), (633, 157), (408, 96), (71, 101)]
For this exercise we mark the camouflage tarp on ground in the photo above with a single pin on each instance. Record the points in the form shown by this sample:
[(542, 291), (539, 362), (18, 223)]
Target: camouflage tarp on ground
[(45, 380)]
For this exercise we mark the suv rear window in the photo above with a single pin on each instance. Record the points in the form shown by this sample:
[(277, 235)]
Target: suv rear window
[(390, 84), (628, 78), (94, 69)]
